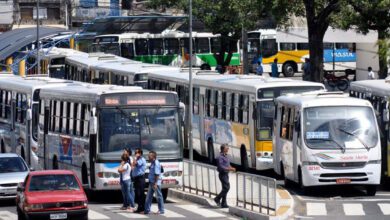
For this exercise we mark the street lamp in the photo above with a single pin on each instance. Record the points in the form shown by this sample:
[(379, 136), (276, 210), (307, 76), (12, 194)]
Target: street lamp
[(191, 155), (38, 61)]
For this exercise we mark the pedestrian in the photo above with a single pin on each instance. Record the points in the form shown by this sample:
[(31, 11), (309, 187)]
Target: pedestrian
[(223, 167), (125, 179), (259, 69), (274, 68), (306, 70), (371, 74), (131, 185), (154, 177), (138, 176)]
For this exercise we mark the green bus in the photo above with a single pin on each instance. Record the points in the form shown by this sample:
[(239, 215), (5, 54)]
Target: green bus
[(168, 48)]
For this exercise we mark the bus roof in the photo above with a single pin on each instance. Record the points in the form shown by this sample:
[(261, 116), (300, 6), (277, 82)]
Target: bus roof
[(243, 83), (55, 52), (165, 34), (29, 84), (378, 87), (318, 99), (86, 60), (130, 67)]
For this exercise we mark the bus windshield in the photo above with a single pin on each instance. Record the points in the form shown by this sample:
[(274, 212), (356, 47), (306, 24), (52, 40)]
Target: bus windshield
[(110, 48), (340, 127), (148, 128)]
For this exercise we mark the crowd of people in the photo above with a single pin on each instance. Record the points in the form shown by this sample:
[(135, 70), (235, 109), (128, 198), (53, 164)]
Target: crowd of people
[(132, 180)]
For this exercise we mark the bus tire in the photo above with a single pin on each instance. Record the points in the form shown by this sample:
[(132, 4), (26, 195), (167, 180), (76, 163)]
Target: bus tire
[(55, 163), (244, 158), (302, 188), (205, 66), (84, 174), (210, 151), (371, 190), (343, 84), (164, 194), (289, 69), (2, 147)]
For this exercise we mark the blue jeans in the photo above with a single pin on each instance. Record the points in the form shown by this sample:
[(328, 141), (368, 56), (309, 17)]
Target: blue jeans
[(127, 193), (149, 199)]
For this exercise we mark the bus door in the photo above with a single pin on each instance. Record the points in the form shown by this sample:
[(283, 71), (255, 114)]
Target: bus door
[(202, 93), (13, 126), (296, 141)]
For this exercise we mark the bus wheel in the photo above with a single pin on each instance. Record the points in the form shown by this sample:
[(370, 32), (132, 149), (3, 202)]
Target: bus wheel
[(244, 158), (371, 190), (2, 147), (164, 194), (55, 163), (288, 70), (210, 151), (84, 174), (343, 84), (205, 66), (302, 188)]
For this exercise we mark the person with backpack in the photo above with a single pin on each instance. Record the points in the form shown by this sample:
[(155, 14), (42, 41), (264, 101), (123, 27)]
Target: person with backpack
[(155, 172), (125, 181), (138, 176)]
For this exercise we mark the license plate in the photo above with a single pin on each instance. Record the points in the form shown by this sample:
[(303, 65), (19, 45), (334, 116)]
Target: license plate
[(59, 216), (343, 181)]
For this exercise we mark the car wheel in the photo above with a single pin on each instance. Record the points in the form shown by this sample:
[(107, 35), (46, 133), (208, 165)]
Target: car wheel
[(210, 151)]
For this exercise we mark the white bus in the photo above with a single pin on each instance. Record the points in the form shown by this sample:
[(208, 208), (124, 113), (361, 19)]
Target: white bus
[(378, 93), (233, 109), (19, 99), (85, 127), (327, 139)]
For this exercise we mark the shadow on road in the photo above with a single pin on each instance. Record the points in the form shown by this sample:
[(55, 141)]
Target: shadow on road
[(7, 202)]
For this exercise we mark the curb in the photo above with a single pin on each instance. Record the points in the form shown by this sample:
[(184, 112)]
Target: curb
[(283, 212)]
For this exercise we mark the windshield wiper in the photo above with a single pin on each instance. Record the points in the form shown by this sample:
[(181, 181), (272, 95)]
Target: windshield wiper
[(342, 148), (355, 136)]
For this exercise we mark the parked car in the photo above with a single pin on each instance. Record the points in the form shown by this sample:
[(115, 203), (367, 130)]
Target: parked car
[(51, 194), (13, 170)]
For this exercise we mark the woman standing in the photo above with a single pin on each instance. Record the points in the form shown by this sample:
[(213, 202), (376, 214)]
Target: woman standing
[(125, 181)]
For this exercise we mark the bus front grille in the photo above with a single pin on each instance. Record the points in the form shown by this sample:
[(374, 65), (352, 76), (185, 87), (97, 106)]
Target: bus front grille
[(343, 165)]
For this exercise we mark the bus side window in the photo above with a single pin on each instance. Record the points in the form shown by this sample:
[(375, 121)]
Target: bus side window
[(212, 103), (1, 103), (282, 122), (57, 116), (52, 114), (196, 101), (223, 106), (127, 50), (41, 114), (291, 124), (82, 118), (218, 104), (236, 107), (71, 118), (75, 109), (78, 119), (61, 117), (287, 46), (245, 109), (228, 104), (64, 117), (87, 114), (141, 47)]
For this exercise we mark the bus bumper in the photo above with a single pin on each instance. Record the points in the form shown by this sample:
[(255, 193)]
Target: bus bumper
[(318, 176), (264, 163)]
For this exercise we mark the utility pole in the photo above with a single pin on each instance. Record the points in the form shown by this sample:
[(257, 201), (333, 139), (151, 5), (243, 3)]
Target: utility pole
[(38, 61), (66, 15), (191, 154), (244, 44)]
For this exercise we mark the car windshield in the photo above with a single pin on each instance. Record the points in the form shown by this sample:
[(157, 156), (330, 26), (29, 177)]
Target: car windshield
[(53, 183), (341, 127), (12, 164), (149, 128)]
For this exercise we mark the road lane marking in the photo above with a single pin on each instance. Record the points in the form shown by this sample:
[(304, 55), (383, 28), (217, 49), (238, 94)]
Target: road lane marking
[(201, 211), (315, 209), (7, 215), (168, 213), (96, 215), (132, 215), (385, 208), (353, 209)]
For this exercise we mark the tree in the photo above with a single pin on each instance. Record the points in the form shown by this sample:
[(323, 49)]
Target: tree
[(366, 15), (318, 15), (224, 17)]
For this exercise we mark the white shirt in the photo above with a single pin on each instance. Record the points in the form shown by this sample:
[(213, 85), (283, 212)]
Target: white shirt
[(126, 172), (371, 75)]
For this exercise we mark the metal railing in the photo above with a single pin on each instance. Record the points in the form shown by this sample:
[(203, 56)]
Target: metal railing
[(257, 193), (253, 192)]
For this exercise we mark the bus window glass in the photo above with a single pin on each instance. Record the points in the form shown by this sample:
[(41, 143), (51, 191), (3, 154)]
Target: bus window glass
[(287, 46), (254, 46), (171, 46), (156, 47), (335, 127), (269, 47), (228, 104), (236, 107), (264, 123), (202, 45), (349, 46), (215, 44), (219, 105), (328, 46), (302, 46), (141, 47), (127, 50)]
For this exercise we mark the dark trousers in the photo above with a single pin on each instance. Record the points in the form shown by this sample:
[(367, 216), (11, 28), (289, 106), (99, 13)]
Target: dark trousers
[(224, 178), (139, 188)]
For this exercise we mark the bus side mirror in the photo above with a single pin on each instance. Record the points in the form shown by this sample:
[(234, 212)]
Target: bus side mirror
[(386, 115), (182, 111), (93, 125), (29, 114)]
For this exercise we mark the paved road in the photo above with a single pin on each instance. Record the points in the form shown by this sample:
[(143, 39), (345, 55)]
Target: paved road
[(340, 202), (101, 210)]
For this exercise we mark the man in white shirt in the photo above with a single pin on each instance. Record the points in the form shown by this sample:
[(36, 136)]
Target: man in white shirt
[(371, 74)]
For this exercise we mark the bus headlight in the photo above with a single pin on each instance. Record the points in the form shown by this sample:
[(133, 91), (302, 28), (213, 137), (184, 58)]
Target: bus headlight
[(309, 163), (107, 175), (174, 173)]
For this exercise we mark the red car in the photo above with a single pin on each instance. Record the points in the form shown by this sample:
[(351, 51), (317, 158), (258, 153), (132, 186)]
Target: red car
[(51, 194)]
